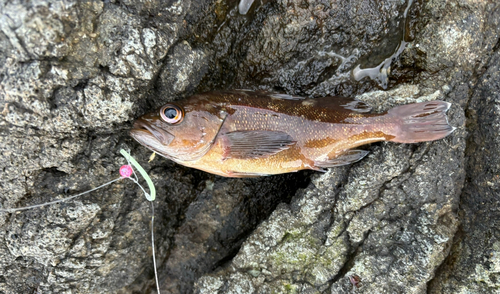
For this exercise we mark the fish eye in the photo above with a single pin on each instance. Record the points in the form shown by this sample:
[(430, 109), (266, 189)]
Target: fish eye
[(171, 114)]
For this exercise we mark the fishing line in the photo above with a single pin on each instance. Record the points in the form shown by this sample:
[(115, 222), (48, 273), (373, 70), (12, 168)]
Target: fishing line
[(59, 200), (143, 173), (126, 172)]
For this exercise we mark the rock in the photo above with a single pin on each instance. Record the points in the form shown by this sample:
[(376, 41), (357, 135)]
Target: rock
[(406, 219), (473, 263)]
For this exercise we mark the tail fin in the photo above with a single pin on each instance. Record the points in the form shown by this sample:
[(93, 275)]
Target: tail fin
[(419, 122)]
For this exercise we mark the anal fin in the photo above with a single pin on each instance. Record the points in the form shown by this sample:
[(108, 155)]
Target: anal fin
[(348, 157), (234, 174)]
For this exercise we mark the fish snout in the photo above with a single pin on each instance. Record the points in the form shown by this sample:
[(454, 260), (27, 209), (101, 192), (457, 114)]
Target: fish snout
[(142, 131)]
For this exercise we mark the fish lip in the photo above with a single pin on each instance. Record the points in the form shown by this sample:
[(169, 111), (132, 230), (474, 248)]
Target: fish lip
[(143, 128)]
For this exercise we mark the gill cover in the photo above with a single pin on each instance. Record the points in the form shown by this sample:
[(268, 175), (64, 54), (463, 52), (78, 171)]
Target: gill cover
[(183, 131)]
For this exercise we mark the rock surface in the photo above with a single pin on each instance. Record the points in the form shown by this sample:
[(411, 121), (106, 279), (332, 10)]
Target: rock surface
[(407, 219)]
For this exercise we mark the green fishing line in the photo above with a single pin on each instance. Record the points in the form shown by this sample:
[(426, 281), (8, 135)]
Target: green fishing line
[(152, 190)]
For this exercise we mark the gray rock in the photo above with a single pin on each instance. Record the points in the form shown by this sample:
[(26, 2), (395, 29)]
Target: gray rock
[(406, 219), (473, 263)]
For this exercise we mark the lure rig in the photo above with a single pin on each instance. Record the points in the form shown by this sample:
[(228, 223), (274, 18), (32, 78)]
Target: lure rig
[(126, 172)]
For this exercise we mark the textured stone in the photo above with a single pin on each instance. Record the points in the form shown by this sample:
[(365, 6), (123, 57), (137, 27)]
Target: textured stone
[(406, 219)]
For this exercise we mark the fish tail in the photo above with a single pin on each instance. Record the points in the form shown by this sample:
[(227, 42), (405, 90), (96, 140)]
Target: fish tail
[(420, 122)]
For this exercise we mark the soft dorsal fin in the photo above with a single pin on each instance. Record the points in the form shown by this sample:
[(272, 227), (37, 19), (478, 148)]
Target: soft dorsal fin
[(341, 104), (255, 144), (356, 105)]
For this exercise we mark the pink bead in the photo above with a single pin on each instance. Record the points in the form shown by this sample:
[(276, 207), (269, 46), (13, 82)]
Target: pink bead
[(125, 171)]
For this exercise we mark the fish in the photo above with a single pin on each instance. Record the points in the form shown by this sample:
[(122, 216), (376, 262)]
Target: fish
[(243, 133)]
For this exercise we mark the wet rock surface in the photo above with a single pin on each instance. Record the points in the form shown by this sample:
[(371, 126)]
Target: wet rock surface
[(406, 219)]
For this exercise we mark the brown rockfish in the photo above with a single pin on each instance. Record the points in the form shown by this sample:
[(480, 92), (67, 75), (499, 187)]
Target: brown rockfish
[(244, 133)]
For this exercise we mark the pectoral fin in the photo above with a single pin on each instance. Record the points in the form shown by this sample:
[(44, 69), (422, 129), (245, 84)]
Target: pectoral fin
[(348, 157), (255, 144)]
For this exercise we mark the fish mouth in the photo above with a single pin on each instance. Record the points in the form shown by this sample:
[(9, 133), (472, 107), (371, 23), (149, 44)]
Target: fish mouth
[(150, 135)]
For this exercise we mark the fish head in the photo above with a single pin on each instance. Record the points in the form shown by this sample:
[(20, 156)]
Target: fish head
[(181, 131)]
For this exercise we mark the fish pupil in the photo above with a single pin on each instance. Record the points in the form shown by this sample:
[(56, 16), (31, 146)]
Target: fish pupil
[(171, 113)]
